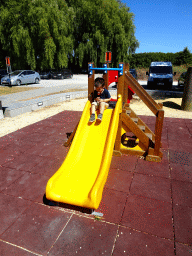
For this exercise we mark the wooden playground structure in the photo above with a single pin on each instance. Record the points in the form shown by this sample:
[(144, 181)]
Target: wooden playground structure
[(143, 141)]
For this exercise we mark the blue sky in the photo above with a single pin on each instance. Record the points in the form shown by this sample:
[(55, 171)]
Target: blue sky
[(162, 25)]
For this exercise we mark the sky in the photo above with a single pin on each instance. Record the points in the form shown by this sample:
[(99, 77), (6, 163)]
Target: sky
[(162, 25)]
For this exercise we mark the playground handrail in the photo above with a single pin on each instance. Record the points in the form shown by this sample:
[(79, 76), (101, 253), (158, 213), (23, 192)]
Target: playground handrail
[(105, 68), (152, 105), (143, 95)]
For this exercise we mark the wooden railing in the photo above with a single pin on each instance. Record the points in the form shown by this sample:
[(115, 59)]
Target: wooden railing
[(152, 105)]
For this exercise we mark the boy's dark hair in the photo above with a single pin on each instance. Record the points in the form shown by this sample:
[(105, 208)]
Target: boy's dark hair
[(99, 82)]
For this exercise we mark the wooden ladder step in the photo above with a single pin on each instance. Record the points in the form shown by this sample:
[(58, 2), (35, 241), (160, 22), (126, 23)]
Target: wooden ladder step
[(149, 135), (128, 111), (142, 127), (135, 119)]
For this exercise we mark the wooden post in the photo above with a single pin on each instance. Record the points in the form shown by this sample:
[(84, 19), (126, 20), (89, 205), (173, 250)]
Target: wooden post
[(120, 91), (121, 83), (125, 94), (106, 77), (91, 81), (158, 131)]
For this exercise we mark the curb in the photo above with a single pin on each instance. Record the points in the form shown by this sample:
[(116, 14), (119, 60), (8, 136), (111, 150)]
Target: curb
[(18, 108), (160, 93)]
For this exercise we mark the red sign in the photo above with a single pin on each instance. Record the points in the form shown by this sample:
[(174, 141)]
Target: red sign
[(108, 57), (8, 61)]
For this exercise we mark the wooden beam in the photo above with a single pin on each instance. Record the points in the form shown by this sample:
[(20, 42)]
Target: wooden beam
[(91, 81), (142, 94), (135, 129), (158, 131)]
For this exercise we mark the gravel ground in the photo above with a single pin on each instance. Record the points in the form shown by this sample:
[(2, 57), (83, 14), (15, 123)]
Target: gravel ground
[(8, 125)]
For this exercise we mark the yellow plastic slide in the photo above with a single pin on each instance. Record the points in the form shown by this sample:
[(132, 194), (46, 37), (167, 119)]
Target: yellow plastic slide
[(81, 178)]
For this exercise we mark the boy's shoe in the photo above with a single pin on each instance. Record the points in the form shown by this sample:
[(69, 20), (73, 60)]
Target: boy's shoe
[(92, 118), (100, 117)]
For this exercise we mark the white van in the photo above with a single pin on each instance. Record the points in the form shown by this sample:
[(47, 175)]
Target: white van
[(160, 75)]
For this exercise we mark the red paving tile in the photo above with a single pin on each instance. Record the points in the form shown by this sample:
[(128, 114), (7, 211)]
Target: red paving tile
[(182, 193), (47, 166), (60, 152), (11, 209), (179, 121), (190, 128), (148, 215), (151, 187), (183, 250), (44, 149), (183, 224), (183, 145), (152, 168), (112, 205), (136, 195), (4, 141), (5, 157), (125, 163), (181, 172), (24, 162), (8, 176), (180, 157), (130, 242), (119, 180), (164, 144), (36, 137), (84, 236), (13, 149), (29, 186), (24, 143), (37, 228), (9, 249), (41, 149)]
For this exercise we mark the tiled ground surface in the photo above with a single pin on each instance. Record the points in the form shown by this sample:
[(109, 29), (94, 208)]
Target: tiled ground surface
[(147, 206)]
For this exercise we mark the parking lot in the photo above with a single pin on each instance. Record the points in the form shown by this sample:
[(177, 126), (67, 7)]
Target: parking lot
[(76, 82)]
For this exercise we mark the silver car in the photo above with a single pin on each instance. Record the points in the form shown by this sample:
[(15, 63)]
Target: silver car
[(19, 77)]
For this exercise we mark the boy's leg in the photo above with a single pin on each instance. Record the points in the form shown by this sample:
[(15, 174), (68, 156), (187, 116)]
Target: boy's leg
[(102, 107), (93, 107), (92, 117)]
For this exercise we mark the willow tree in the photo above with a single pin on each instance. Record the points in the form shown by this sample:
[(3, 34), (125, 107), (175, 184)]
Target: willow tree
[(100, 26), (37, 33)]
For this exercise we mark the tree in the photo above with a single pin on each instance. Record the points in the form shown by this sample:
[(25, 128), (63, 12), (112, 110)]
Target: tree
[(41, 34), (36, 34), (100, 26)]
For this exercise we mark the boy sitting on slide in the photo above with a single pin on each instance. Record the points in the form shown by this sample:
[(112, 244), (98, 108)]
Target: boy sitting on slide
[(101, 98)]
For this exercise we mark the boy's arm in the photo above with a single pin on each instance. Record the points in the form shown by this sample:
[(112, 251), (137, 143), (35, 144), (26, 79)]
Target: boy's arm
[(106, 100), (108, 97)]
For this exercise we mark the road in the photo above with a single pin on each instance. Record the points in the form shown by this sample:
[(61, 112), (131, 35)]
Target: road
[(78, 81)]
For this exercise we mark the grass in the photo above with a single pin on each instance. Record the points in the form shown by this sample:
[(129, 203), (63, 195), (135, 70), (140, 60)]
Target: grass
[(5, 90)]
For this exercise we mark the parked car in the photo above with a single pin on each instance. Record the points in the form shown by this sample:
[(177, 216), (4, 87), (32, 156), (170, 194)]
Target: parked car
[(61, 74), (45, 74), (19, 77), (3, 72), (133, 73), (160, 75), (181, 79)]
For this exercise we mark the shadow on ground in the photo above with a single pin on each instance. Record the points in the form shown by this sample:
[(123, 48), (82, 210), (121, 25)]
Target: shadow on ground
[(170, 104)]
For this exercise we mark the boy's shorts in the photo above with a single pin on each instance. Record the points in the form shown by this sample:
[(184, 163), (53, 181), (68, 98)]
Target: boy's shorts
[(97, 104)]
